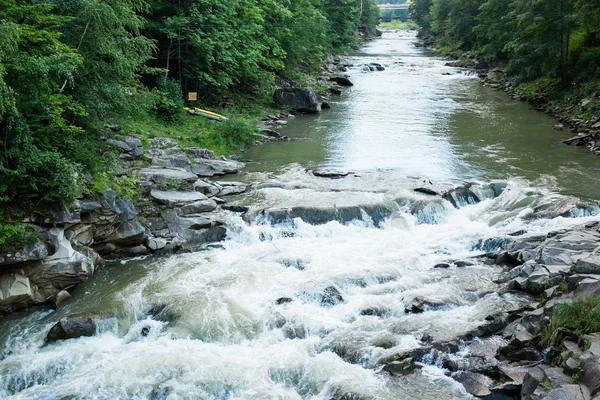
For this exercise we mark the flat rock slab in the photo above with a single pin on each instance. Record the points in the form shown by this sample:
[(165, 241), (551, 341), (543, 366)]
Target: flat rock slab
[(172, 198), (207, 167), (160, 175)]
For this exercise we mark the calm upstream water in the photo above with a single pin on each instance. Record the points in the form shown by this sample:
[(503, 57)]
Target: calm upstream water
[(215, 328), (414, 118)]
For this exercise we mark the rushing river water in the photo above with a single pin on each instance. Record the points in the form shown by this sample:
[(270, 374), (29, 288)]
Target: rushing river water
[(289, 309)]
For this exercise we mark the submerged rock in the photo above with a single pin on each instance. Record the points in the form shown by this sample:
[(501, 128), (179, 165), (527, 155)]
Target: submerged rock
[(331, 296)]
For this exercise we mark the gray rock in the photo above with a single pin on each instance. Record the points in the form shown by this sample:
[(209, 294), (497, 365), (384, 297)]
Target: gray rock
[(161, 175), (88, 206), (586, 287), (538, 280), (72, 327), (199, 207), (232, 188), (15, 292), (32, 252), (587, 265), (129, 145), (420, 304), (590, 364), (474, 383), (196, 152), (206, 188), (128, 233), (97, 261), (331, 296), (531, 381), (195, 230), (60, 298), (427, 191), (300, 99), (461, 196), (54, 275), (341, 80), (207, 167), (155, 244), (177, 160), (66, 214), (81, 233), (330, 173), (162, 143), (401, 368), (569, 392), (174, 198), (124, 210)]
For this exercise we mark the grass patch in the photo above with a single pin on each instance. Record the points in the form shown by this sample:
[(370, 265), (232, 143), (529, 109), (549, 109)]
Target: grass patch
[(222, 137), (412, 26), (579, 316)]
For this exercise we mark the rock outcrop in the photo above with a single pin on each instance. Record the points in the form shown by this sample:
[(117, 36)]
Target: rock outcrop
[(299, 99)]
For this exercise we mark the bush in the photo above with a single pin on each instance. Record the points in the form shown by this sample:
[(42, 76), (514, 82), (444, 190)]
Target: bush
[(169, 103), (15, 236), (233, 134), (38, 177)]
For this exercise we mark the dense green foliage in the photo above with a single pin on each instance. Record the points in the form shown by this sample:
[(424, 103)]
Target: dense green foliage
[(552, 40), (69, 67), (14, 236)]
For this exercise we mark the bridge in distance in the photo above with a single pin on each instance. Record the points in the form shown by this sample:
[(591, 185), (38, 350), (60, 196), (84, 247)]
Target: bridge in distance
[(393, 6)]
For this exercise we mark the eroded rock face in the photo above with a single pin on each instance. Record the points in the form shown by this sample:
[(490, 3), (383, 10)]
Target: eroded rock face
[(300, 99), (32, 252)]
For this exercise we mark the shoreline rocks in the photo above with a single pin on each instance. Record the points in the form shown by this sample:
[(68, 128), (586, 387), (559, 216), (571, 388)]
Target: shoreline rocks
[(178, 211)]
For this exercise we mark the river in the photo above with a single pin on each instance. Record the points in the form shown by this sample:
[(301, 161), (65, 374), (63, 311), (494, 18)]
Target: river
[(292, 308)]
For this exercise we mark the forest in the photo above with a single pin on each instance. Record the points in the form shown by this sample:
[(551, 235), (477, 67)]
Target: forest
[(70, 68), (551, 48)]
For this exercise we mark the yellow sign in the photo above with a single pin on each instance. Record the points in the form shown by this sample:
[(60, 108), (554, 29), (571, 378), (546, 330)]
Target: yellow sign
[(192, 96)]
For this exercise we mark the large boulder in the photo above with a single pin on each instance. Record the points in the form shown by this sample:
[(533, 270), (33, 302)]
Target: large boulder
[(51, 276), (72, 327), (300, 99)]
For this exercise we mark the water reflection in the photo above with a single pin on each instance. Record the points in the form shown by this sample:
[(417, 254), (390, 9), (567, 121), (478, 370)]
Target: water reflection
[(421, 117)]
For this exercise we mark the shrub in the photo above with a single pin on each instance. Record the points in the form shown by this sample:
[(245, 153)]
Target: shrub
[(14, 236), (169, 103), (233, 134)]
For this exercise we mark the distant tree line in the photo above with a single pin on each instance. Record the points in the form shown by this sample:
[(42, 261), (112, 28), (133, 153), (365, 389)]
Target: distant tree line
[(555, 43)]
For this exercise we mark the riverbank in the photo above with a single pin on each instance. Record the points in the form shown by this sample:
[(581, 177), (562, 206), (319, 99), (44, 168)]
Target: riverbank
[(576, 112)]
